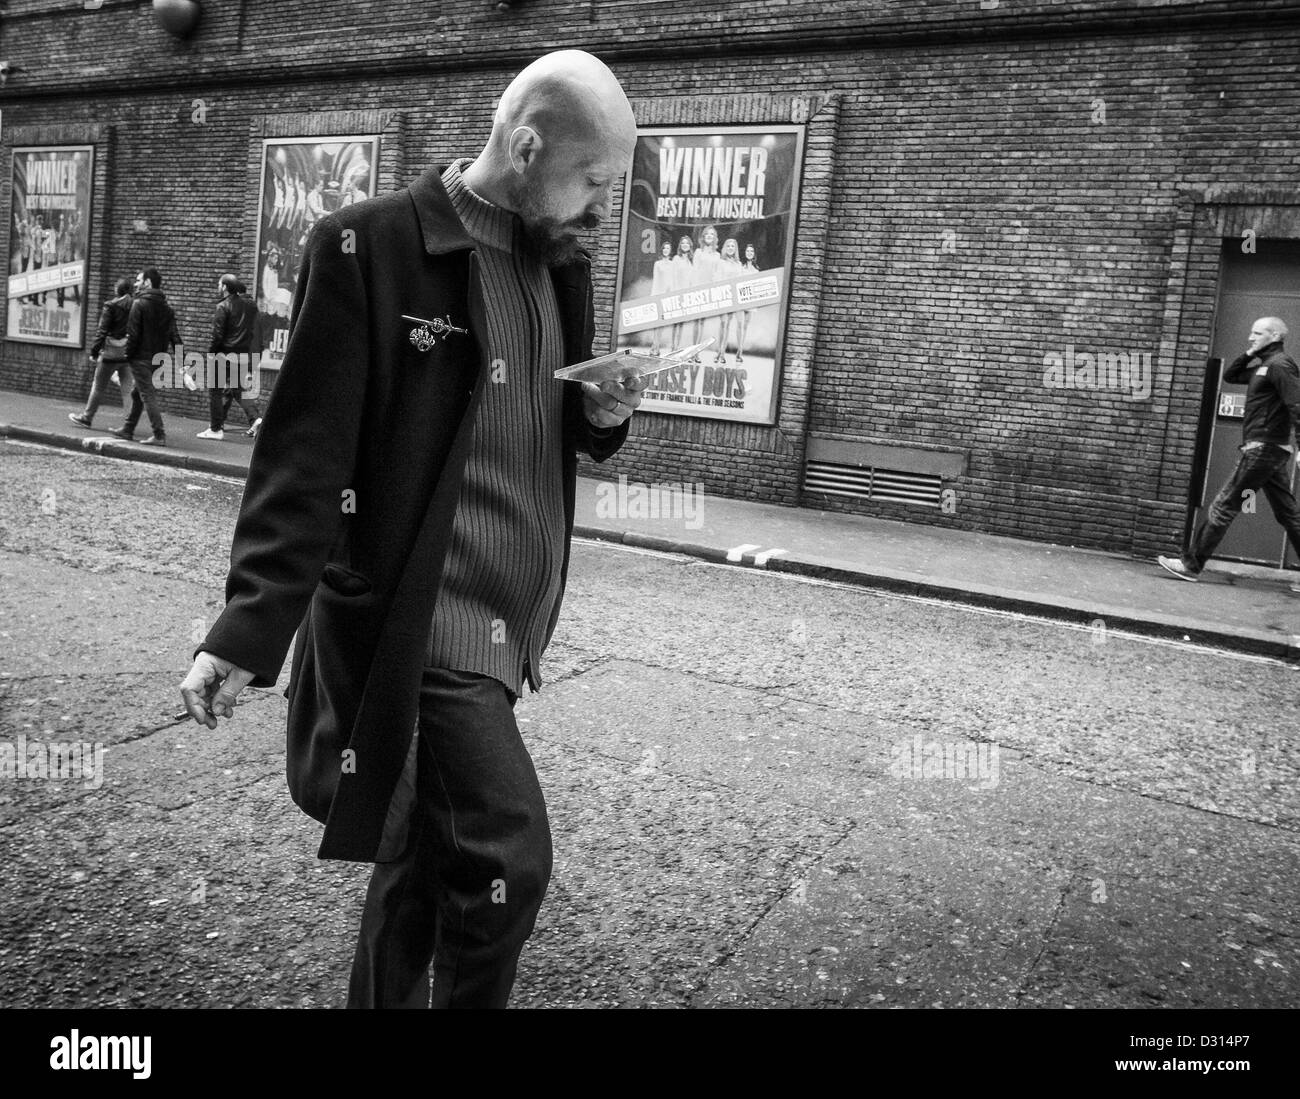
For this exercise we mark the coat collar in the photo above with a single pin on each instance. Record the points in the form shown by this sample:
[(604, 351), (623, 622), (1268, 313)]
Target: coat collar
[(443, 232), (439, 224), (1274, 352)]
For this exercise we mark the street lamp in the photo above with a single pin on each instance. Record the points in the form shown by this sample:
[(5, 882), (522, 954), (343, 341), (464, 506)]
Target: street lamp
[(178, 17)]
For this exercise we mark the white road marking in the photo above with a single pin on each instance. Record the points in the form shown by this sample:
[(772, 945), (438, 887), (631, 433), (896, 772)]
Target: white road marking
[(766, 555), (737, 552)]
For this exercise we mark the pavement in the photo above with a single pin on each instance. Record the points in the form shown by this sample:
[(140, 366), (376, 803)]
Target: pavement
[(1235, 606), (762, 794)]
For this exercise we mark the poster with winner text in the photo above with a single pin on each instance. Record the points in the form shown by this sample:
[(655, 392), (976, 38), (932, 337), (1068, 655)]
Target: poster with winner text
[(49, 233), (708, 239)]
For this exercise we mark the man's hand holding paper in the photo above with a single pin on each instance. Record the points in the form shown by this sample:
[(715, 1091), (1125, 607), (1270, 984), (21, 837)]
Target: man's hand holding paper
[(612, 383), (611, 402)]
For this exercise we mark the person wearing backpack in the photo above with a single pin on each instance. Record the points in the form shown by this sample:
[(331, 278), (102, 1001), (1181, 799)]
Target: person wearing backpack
[(108, 352)]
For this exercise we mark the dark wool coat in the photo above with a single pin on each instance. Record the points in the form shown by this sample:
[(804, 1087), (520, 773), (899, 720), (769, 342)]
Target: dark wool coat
[(347, 513)]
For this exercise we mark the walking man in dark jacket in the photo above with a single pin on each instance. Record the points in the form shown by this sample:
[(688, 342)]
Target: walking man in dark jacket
[(232, 342), (108, 357), (1272, 410), (150, 331), (419, 384)]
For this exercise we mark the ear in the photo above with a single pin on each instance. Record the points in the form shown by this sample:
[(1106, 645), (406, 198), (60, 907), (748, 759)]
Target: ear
[(524, 145)]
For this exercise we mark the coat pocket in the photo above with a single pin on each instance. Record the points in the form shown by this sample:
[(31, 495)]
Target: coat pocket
[(338, 643), (345, 581)]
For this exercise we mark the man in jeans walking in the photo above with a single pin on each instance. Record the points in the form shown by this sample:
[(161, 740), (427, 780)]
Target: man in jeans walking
[(106, 356), (1272, 409), (150, 330), (232, 344)]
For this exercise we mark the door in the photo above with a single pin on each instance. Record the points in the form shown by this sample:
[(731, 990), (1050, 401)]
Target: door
[(1263, 284)]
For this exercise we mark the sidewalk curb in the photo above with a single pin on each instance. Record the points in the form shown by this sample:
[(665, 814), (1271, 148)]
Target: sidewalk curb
[(110, 447), (1255, 642)]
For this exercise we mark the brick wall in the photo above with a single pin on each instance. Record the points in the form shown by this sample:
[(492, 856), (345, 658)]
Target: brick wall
[(982, 187)]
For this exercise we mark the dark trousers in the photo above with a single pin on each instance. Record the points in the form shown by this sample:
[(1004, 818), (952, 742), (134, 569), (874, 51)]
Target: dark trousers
[(1264, 468), (144, 396), (219, 402), (99, 386), (465, 893)]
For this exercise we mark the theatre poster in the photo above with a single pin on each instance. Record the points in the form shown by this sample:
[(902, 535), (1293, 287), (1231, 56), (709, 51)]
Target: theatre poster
[(303, 180), (49, 232), (706, 252)]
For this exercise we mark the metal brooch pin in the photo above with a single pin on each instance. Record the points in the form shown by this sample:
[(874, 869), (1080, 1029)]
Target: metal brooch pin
[(426, 335)]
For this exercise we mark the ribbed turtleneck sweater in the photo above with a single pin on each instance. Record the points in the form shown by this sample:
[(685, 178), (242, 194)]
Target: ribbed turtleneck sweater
[(502, 573)]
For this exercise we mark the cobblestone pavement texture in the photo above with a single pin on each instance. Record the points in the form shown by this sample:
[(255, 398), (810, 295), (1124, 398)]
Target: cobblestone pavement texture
[(739, 770)]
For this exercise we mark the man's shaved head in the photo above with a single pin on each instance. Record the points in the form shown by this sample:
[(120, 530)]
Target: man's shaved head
[(1265, 332), (1275, 327), (562, 134), (566, 96)]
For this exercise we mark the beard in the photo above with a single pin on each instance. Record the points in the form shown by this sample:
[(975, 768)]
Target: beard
[(550, 240)]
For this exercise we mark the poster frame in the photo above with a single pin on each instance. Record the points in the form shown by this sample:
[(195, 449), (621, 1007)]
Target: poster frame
[(768, 417), (375, 141), (89, 218)]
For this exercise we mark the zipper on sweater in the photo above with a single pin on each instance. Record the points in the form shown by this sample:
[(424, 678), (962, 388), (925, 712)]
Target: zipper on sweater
[(535, 342)]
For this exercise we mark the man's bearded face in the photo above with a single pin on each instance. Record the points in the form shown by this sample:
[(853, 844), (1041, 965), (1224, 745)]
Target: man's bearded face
[(566, 189), (552, 238)]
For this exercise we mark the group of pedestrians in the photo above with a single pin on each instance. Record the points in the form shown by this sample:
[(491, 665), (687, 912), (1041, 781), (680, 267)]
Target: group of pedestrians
[(137, 324)]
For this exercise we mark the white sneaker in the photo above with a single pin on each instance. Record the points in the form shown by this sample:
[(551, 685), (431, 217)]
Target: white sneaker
[(1176, 566), (252, 428), (208, 433)]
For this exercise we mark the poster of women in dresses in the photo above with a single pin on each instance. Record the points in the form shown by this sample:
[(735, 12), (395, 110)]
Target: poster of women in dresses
[(48, 236), (707, 245), (303, 180)]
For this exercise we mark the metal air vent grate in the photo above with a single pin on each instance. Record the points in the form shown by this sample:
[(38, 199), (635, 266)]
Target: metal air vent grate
[(873, 483)]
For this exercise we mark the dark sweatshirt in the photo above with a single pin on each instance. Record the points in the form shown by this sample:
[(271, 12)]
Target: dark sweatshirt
[(151, 327), (232, 326), (112, 322), (1272, 395)]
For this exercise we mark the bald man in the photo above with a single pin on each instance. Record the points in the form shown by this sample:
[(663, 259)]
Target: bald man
[(408, 512), (1267, 447)]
